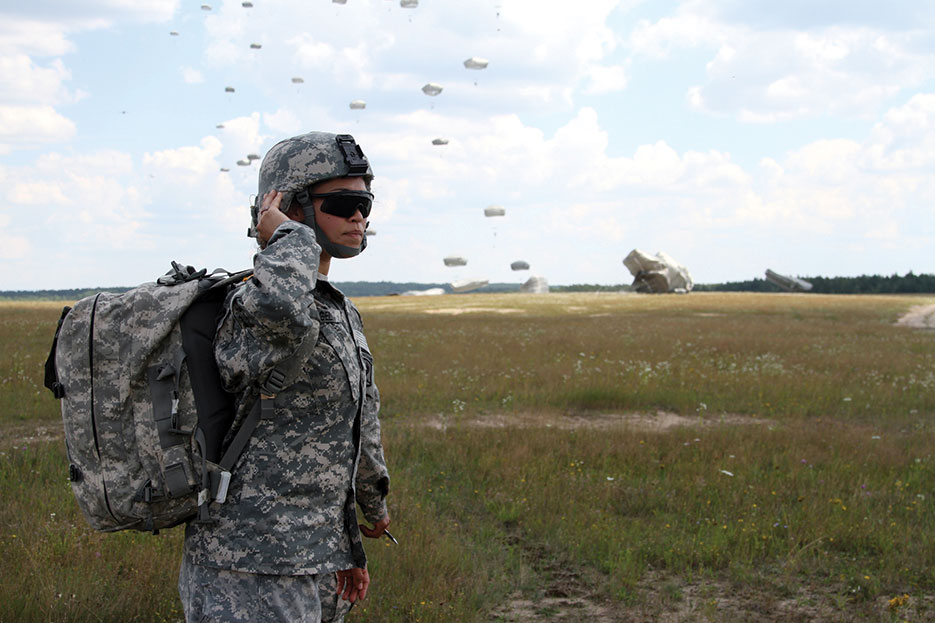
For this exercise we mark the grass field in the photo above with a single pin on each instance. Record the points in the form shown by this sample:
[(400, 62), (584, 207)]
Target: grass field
[(568, 457)]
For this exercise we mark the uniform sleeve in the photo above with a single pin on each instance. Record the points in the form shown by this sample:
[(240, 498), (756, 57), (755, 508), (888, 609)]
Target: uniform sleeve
[(373, 479), (266, 319)]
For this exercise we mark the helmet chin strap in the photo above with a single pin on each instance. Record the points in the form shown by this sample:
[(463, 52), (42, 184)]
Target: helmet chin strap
[(332, 248)]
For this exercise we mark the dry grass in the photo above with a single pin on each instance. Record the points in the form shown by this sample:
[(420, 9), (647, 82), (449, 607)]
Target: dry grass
[(710, 457)]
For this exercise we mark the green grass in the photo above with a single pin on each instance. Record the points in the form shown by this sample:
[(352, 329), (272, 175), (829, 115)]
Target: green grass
[(801, 472)]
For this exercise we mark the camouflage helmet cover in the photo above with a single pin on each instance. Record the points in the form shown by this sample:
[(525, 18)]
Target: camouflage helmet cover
[(298, 162)]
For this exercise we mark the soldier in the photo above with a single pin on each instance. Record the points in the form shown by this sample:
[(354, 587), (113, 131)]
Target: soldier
[(286, 545)]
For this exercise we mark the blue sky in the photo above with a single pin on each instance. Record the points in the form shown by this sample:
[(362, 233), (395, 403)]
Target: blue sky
[(733, 135)]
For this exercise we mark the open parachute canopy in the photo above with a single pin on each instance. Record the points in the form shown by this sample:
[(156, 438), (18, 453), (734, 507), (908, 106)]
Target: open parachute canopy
[(476, 63), (494, 210), (519, 265), (432, 89), (439, 141), (455, 260), (358, 104), (297, 80)]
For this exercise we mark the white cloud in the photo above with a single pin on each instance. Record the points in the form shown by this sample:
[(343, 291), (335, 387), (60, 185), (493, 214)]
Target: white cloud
[(191, 75), (31, 125)]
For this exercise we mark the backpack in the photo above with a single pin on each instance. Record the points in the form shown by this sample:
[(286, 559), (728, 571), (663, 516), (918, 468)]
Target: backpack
[(149, 427)]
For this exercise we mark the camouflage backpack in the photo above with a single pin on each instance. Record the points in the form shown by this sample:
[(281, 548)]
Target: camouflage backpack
[(146, 416)]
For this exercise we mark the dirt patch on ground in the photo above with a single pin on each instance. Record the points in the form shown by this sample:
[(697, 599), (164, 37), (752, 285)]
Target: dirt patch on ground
[(456, 311), (659, 421), (919, 317), (17, 435)]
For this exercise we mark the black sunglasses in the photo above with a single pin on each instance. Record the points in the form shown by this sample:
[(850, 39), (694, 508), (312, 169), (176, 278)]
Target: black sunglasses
[(343, 203)]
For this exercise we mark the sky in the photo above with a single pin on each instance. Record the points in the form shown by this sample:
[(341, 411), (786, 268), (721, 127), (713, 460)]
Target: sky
[(733, 135)]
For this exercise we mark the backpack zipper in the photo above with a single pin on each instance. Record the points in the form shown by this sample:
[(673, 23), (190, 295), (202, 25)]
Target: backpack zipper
[(97, 445)]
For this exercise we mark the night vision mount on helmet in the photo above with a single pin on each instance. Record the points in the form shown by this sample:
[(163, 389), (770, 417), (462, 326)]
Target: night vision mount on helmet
[(293, 165)]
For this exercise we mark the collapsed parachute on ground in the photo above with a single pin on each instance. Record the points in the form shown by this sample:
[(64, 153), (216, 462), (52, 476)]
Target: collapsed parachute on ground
[(789, 284), (439, 141), (657, 274), (535, 285), (476, 63), (429, 292), (466, 285), (432, 89), (455, 260), (494, 211), (297, 80), (519, 265), (358, 104)]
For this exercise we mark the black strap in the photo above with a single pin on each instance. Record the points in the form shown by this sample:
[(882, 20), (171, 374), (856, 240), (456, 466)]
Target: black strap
[(51, 372), (240, 440)]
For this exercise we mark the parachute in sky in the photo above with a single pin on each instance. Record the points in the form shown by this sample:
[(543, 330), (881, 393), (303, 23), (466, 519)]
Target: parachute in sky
[(252, 157), (455, 260), (370, 232), (494, 210), (466, 285), (247, 5), (243, 163), (205, 7), (224, 169), (439, 141), (519, 265), (409, 4), (657, 274), (432, 89), (220, 126), (297, 80), (339, 1), (476, 62), (255, 46), (358, 104), (228, 89), (174, 33)]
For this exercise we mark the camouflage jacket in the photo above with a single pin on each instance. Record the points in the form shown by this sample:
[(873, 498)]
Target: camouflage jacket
[(291, 509)]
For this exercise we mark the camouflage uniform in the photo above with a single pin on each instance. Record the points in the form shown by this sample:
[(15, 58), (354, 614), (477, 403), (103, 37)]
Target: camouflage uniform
[(290, 510)]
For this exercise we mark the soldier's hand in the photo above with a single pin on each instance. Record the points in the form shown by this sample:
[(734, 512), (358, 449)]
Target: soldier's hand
[(270, 216), (378, 528), (353, 583)]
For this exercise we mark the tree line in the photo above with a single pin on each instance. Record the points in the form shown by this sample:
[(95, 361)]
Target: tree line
[(910, 283)]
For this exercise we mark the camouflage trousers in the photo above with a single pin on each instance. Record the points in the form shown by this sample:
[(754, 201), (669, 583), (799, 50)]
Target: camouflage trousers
[(222, 596)]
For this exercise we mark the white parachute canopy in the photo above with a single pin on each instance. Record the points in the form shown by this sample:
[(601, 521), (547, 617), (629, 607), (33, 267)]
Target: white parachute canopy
[(432, 89), (789, 284), (252, 157), (243, 163), (409, 4), (656, 274), (439, 141), (255, 46), (494, 211), (228, 89), (429, 292), (519, 265), (466, 285), (358, 104), (247, 5), (455, 260), (476, 63), (535, 285), (297, 80)]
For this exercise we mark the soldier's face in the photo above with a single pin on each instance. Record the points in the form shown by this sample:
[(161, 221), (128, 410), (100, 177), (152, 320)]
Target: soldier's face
[(345, 231)]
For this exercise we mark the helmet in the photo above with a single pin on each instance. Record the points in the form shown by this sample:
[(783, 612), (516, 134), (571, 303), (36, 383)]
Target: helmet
[(296, 163)]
